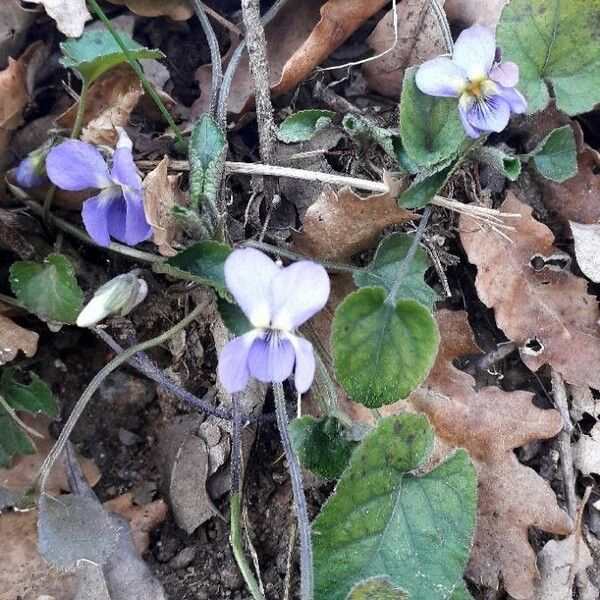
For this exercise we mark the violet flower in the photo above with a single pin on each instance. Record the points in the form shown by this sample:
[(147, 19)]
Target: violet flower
[(484, 86), (27, 173), (276, 300), (118, 210)]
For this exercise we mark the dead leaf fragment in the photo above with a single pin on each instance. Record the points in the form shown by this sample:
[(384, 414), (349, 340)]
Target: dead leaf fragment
[(587, 249), (178, 10), (490, 423), (14, 338), (469, 13), (70, 15), (419, 39), (341, 224), (161, 194), (586, 452), (14, 97), (539, 304)]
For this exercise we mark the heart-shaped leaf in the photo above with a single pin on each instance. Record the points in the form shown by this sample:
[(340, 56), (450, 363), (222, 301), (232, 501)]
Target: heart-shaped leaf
[(303, 125), (383, 521), (556, 156), (382, 350), (233, 317), (557, 43), (95, 52), (48, 289)]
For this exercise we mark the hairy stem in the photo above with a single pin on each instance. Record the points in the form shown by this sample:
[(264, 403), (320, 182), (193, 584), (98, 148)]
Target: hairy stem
[(442, 20), (82, 403), (306, 554), (78, 125), (13, 415)]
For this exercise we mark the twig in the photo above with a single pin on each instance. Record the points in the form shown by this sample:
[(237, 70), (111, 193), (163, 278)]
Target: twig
[(221, 20), (13, 415), (484, 362), (288, 568), (564, 442), (306, 555)]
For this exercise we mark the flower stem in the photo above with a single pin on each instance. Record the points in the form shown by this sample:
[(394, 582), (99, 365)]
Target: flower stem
[(306, 554), (78, 125), (442, 20), (135, 65), (40, 482)]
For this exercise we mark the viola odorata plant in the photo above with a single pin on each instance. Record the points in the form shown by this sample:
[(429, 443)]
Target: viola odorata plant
[(276, 300), (118, 210), (483, 84)]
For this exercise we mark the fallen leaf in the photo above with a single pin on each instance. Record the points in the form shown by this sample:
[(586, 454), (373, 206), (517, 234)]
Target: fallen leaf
[(419, 39), (14, 23), (490, 423), (587, 249), (14, 338), (586, 452), (161, 193), (178, 10), (14, 97), (583, 401), (341, 224), (313, 30), (539, 304), (70, 15), (467, 12), (559, 562)]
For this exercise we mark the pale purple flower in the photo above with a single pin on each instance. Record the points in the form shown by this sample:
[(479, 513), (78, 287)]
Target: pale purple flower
[(276, 301), (27, 173), (118, 210), (484, 86)]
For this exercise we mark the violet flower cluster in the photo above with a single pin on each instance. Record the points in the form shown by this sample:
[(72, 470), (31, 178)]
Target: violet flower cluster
[(118, 210), (276, 301), (475, 75)]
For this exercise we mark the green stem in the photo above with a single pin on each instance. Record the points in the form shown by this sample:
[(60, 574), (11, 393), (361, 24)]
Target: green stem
[(141, 76), (123, 357), (78, 125), (442, 20)]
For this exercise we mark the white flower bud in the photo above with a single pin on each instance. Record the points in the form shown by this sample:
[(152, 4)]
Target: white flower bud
[(118, 296)]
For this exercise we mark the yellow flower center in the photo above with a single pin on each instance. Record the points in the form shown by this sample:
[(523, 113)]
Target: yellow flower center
[(479, 88)]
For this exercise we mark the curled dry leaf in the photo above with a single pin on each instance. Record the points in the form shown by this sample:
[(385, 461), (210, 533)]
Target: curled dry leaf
[(539, 304), (341, 224), (419, 39), (490, 423), (14, 338), (70, 15), (313, 30), (161, 193), (587, 249), (467, 12), (586, 452), (14, 97), (178, 10)]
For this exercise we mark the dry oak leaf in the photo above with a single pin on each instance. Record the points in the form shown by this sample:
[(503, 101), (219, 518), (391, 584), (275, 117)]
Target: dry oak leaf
[(467, 12), (341, 224), (14, 338), (419, 39), (70, 15), (538, 303), (490, 423), (587, 249), (14, 97), (312, 31), (178, 10), (161, 193)]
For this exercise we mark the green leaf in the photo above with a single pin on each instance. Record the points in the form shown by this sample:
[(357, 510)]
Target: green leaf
[(95, 52), (234, 318), (208, 145), (322, 446), (506, 164), (557, 43), (384, 266), (377, 588), (425, 187), (556, 157), (303, 125), (48, 289), (430, 127), (383, 521), (33, 398), (382, 351), (202, 262)]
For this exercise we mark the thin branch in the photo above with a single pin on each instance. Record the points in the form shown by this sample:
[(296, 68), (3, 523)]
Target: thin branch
[(15, 417)]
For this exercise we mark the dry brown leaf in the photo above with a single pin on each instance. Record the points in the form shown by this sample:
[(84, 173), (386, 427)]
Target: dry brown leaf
[(587, 249), (419, 39), (161, 193), (539, 304), (467, 12), (24, 469), (178, 10), (586, 452), (70, 15), (313, 30), (14, 338), (341, 224), (14, 97), (490, 423)]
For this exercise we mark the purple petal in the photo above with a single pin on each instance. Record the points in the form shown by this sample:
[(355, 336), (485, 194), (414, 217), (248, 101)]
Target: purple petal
[(76, 166), (233, 362), (271, 358), (469, 129), (95, 218), (305, 363), (297, 293), (474, 51), (137, 228), (440, 77), (506, 74), (515, 99), (248, 273), (488, 114), (26, 175), (123, 169)]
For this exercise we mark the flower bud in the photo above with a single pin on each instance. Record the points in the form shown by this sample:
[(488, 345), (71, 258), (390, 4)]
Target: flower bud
[(118, 296), (31, 171)]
